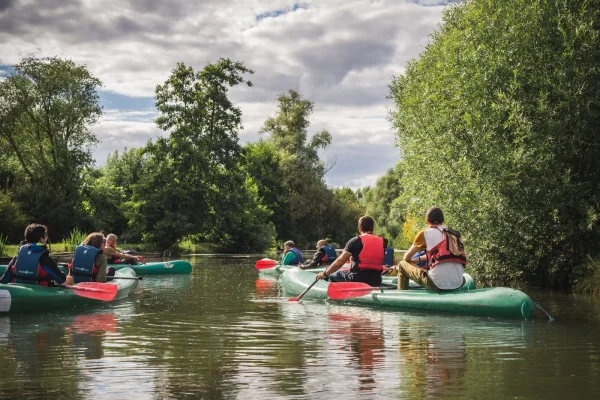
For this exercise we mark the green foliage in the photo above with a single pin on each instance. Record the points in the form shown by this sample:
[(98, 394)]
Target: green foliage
[(3, 245), (12, 219), (497, 122), (46, 109), (75, 238), (587, 277)]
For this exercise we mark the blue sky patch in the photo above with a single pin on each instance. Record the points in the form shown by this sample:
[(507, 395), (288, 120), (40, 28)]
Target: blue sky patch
[(113, 101), (281, 11)]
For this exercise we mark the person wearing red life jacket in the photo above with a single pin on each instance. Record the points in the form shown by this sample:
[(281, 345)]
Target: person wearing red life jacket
[(444, 264), (114, 256), (325, 255), (366, 253), (33, 264)]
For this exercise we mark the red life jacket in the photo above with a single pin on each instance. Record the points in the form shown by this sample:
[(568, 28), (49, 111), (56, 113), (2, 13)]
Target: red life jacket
[(449, 249), (372, 253)]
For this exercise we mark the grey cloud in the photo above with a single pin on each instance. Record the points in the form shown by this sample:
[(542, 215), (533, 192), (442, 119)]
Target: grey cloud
[(4, 4)]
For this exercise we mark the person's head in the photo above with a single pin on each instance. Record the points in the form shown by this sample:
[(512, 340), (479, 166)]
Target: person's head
[(36, 233), (385, 242), (288, 245), (366, 224), (322, 243), (95, 239), (111, 239), (434, 216)]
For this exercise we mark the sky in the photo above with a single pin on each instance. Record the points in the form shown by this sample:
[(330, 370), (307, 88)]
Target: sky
[(339, 54)]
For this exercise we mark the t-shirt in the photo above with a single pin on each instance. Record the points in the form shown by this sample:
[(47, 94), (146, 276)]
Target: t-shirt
[(354, 247), (446, 275)]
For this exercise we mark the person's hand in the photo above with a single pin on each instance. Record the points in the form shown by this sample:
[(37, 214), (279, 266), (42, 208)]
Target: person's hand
[(140, 259), (69, 280), (321, 275), (301, 266)]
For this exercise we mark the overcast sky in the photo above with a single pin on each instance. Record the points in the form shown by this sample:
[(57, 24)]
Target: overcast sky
[(339, 54)]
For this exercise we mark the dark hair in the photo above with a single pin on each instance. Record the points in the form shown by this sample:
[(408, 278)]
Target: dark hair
[(34, 232), (289, 243), (385, 242), (95, 239), (366, 224), (435, 215)]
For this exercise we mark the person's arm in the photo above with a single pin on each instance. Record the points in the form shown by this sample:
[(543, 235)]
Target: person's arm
[(336, 265), (317, 258), (8, 274), (287, 258), (410, 253), (50, 266), (101, 264), (418, 245)]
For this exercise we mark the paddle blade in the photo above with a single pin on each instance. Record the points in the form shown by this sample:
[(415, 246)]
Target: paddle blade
[(348, 290), (265, 263), (95, 290)]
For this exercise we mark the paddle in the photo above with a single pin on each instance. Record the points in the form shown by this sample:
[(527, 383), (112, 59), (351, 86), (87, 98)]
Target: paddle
[(303, 293), (348, 290), (94, 290), (124, 277), (265, 263)]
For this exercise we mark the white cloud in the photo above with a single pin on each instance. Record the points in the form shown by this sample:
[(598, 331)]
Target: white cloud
[(341, 54)]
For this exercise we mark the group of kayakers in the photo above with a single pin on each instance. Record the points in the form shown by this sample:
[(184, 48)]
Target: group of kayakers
[(33, 264), (435, 260)]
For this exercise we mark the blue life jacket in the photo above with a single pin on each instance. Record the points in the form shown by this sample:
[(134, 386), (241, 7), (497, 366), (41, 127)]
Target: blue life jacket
[(299, 259), (330, 254), (84, 264), (27, 268), (388, 257), (419, 254)]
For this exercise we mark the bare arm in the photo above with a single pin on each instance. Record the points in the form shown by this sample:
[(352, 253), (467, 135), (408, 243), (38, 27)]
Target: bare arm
[(410, 253), (336, 265)]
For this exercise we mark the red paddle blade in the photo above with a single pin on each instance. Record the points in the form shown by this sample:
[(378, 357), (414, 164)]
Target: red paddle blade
[(265, 263), (348, 290), (95, 290), (294, 299)]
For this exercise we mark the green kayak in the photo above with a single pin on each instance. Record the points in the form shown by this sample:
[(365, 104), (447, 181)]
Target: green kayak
[(158, 268), (154, 268), (491, 302), (17, 298)]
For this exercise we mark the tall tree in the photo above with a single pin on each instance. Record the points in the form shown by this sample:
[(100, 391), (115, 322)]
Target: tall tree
[(497, 122), (46, 109)]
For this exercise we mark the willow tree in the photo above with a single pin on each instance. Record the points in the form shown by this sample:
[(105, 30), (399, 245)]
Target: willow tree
[(497, 121)]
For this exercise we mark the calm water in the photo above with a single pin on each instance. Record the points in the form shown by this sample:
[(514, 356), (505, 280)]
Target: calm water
[(224, 333)]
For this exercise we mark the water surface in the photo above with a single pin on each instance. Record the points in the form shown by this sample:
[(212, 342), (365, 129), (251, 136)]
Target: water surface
[(225, 333)]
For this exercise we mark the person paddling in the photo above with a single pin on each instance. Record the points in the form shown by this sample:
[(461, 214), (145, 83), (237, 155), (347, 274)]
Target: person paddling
[(325, 255), (291, 255), (33, 264), (114, 256), (89, 263), (445, 257), (366, 252)]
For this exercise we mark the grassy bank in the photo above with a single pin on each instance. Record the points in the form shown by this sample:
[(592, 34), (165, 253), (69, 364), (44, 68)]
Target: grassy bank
[(588, 278)]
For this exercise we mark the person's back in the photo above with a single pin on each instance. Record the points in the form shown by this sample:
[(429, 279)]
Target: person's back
[(89, 263), (324, 255), (445, 274)]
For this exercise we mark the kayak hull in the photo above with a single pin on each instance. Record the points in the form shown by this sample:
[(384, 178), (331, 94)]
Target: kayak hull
[(173, 267), (489, 302), (19, 298)]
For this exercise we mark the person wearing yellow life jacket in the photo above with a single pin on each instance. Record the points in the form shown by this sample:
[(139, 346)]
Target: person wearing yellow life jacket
[(325, 255), (444, 258), (89, 262), (366, 253), (33, 264)]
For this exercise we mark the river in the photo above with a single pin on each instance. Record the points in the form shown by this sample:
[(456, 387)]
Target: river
[(223, 333)]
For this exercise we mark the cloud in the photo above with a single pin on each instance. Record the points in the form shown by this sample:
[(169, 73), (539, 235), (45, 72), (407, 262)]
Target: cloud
[(340, 54)]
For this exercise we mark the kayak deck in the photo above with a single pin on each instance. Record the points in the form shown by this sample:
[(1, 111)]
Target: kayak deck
[(491, 302), (158, 268)]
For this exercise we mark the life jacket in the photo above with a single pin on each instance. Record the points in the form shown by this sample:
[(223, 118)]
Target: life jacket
[(27, 268), (299, 259), (83, 265), (388, 257), (371, 255), (113, 259), (449, 249), (330, 254)]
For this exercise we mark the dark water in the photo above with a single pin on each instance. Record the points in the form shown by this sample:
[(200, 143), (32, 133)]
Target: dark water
[(224, 333)]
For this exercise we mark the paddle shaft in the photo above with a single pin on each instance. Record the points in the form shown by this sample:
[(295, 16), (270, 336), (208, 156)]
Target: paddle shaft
[(124, 277), (304, 292)]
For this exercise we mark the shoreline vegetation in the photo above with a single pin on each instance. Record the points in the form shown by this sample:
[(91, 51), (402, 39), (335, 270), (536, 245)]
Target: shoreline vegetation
[(496, 121)]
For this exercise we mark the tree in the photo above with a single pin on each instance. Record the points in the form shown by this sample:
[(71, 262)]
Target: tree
[(46, 109), (188, 174), (499, 116), (304, 198)]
